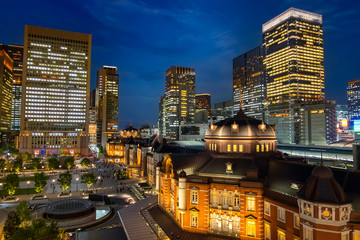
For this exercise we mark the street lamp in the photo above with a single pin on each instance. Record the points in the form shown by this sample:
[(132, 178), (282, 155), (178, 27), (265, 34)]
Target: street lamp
[(53, 185), (77, 184), (28, 183), (1, 186)]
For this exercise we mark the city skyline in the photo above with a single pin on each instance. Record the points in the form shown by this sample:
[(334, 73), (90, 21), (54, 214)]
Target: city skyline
[(142, 58)]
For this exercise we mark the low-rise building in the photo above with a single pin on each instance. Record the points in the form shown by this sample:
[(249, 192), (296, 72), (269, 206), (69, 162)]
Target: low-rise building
[(242, 187)]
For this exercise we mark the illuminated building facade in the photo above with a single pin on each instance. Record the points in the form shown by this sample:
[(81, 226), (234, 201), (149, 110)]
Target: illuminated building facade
[(179, 99), (161, 121), (92, 119), (318, 122), (55, 93), (16, 54), (222, 110), (242, 187), (6, 83), (203, 106), (294, 67), (353, 99), (343, 124), (108, 104), (249, 83)]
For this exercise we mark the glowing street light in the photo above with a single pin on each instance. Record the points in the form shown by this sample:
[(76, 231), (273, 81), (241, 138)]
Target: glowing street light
[(77, 184), (28, 183)]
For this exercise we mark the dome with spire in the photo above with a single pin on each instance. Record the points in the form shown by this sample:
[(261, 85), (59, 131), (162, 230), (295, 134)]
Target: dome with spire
[(322, 187), (240, 134), (240, 126)]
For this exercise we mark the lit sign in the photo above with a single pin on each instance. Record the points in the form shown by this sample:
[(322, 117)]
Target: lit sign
[(344, 122), (356, 125), (92, 128)]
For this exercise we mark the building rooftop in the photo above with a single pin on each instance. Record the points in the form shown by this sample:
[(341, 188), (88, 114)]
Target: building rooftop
[(291, 12)]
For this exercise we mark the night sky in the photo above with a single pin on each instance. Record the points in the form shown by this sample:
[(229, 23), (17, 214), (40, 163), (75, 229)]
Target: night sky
[(144, 38)]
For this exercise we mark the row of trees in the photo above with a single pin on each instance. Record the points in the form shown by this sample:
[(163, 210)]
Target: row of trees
[(52, 163), (65, 179), (12, 182), (20, 224)]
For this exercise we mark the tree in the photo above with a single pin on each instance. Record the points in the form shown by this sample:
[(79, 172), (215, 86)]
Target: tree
[(2, 164), (24, 213), (69, 162), (12, 182), (89, 179), (27, 157), (40, 181), (20, 225), (85, 162), (9, 148), (65, 180), (18, 164), (11, 225), (35, 163), (52, 163)]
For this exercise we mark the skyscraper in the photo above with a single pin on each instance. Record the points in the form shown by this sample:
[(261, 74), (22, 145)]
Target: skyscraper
[(179, 99), (294, 66), (55, 93), (108, 103), (249, 83), (353, 99), (16, 54), (92, 118), (203, 101), (203, 107), (6, 78)]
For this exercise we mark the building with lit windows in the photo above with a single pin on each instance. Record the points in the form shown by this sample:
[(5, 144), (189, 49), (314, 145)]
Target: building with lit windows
[(179, 100), (353, 99), (222, 111), (249, 83), (242, 187), (108, 104), (6, 83), (294, 67), (55, 93), (318, 123), (16, 54), (93, 119), (203, 107)]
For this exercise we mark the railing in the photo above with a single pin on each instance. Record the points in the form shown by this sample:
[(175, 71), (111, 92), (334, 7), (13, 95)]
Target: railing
[(152, 223)]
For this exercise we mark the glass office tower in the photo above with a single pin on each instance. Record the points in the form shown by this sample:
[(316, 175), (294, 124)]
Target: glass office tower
[(55, 93), (179, 99), (16, 54), (6, 78), (108, 104), (294, 66), (249, 83)]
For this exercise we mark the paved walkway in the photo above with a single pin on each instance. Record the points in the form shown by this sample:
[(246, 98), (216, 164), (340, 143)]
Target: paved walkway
[(169, 226)]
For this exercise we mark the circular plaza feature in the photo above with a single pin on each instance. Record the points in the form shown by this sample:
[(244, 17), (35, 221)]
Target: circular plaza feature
[(69, 208)]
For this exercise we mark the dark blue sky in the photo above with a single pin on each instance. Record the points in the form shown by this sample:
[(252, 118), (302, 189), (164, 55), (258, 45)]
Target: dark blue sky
[(144, 38)]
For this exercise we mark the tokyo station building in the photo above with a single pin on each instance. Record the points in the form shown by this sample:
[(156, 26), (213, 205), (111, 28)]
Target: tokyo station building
[(242, 187)]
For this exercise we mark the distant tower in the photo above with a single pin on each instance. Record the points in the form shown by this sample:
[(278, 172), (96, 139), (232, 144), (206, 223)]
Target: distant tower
[(249, 83), (6, 78), (16, 54), (179, 99), (353, 99), (294, 66), (108, 103)]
